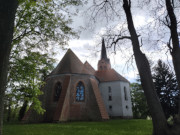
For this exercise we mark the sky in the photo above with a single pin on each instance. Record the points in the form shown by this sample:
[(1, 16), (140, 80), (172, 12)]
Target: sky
[(88, 46)]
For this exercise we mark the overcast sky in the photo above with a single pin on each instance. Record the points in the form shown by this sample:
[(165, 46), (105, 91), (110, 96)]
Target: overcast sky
[(87, 47)]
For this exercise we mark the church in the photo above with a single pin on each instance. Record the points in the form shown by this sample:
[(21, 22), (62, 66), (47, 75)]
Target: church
[(76, 91)]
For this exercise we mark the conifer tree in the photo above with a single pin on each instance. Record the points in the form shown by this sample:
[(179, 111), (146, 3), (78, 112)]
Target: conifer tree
[(166, 87)]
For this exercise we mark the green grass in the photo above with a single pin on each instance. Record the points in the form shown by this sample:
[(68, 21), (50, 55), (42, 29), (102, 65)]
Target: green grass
[(111, 127)]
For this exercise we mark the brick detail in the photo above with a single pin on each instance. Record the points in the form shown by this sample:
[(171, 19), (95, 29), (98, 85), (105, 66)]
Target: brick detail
[(59, 108), (75, 112), (99, 100)]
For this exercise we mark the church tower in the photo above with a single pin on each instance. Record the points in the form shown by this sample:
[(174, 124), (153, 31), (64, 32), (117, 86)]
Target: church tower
[(114, 88), (104, 62)]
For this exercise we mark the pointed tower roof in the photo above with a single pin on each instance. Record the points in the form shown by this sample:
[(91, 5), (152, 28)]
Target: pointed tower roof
[(103, 51), (70, 63)]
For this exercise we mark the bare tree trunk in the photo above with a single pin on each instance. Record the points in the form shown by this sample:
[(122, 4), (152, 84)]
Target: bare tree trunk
[(22, 110), (9, 110), (158, 117), (175, 44), (7, 16)]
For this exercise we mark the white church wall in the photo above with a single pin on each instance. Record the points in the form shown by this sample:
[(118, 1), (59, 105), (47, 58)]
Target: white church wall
[(113, 96), (126, 99)]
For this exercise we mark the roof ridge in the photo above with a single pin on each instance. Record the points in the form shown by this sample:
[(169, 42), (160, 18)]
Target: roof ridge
[(70, 63)]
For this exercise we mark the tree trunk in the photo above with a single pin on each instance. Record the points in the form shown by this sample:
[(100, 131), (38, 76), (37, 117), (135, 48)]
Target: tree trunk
[(158, 117), (175, 45), (9, 111), (7, 15), (22, 110)]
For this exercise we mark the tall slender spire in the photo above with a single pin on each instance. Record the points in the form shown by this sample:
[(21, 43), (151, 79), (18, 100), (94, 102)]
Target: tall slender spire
[(103, 51), (104, 62)]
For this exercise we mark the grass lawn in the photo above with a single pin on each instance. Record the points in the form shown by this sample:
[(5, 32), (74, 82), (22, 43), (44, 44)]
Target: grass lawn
[(111, 127)]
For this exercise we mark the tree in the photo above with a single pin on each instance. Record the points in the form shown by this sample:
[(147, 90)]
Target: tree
[(168, 19), (158, 117), (167, 88), (160, 126), (26, 77), (175, 47), (7, 13), (139, 103), (35, 31), (41, 25)]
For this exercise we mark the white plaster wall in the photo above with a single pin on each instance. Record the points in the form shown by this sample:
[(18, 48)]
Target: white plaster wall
[(126, 104), (118, 102)]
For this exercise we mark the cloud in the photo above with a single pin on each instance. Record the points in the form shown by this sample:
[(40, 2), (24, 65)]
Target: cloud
[(86, 46)]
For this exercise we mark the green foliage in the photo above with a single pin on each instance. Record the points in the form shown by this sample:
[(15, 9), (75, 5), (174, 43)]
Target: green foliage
[(139, 103), (26, 75), (167, 88), (41, 27), (111, 127)]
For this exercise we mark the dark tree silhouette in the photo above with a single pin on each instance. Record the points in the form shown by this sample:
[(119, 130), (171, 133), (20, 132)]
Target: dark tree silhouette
[(167, 88), (7, 14), (174, 47), (160, 125)]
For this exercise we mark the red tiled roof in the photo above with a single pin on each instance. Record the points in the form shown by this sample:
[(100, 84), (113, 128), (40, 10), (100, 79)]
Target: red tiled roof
[(70, 63), (109, 75), (88, 67)]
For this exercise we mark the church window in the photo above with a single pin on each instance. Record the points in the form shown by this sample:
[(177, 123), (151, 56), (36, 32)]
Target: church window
[(101, 68), (125, 94), (109, 89), (110, 107), (57, 91), (110, 98), (80, 92), (126, 107)]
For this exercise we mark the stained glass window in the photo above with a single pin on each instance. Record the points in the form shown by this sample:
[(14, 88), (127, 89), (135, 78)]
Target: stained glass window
[(57, 91), (80, 92)]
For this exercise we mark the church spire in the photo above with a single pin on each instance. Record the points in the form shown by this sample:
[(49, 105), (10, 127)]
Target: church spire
[(103, 51), (104, 62)]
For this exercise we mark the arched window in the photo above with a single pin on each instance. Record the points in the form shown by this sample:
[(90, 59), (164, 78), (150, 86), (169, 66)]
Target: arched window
[(125, 94), (80, 92), (57, 91)]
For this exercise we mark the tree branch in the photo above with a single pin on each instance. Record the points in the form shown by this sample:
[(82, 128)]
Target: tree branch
[(169, 45)]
